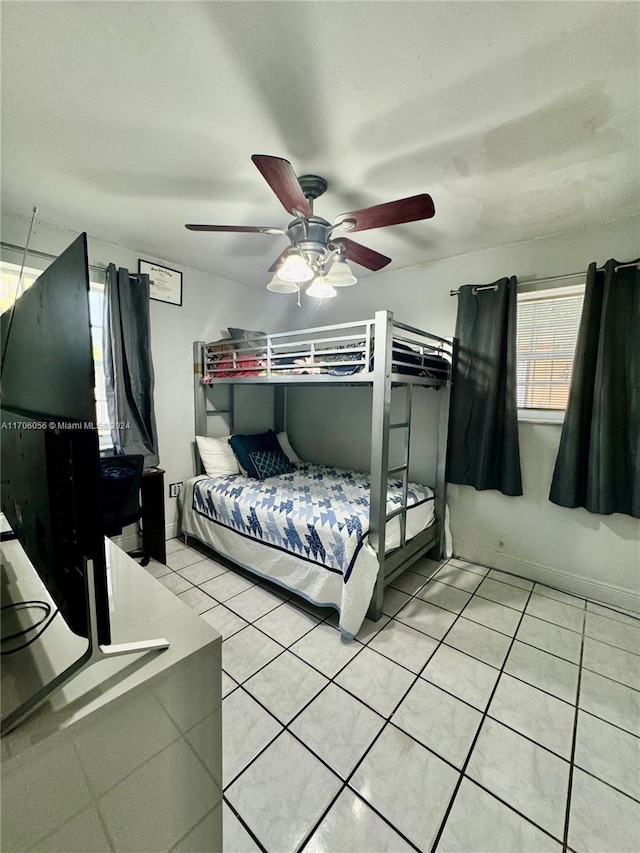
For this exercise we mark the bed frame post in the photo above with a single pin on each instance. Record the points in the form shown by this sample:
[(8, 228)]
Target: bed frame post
[(199, 401), (279, 408), (380, 415), (441, 456)]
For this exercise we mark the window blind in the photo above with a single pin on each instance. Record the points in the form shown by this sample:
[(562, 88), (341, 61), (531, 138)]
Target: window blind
[(546, 341)]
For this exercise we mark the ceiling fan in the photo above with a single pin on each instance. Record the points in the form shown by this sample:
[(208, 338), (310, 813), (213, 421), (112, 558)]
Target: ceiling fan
[(315, 253)]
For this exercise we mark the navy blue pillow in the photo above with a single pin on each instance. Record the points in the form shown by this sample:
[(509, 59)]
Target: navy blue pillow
[(244, 445), (271, 463)]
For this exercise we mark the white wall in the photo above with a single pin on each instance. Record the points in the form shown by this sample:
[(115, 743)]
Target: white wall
[(209, 304), (572, 549)]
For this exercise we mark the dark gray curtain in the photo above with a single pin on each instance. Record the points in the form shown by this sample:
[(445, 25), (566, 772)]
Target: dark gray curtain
[(128, 367), (483, 426), (598, 464)]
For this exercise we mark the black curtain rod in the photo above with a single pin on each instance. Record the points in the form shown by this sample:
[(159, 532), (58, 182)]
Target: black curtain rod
[(50, 257), (543, 280)]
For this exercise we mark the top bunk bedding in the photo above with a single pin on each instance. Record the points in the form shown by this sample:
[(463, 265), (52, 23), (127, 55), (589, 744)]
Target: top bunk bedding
[(344, 352)]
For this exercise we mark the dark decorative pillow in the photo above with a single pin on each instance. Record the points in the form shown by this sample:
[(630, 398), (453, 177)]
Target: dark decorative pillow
[(244, 445), (248, 339), (270, 463)]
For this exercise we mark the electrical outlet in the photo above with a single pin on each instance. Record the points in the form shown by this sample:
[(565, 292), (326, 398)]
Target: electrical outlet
[(174, 489)]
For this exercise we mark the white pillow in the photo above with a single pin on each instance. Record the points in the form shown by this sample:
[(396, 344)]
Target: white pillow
[(285, 445), (217, 456)]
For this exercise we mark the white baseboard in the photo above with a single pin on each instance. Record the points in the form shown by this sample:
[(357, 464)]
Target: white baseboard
[(594, 590), (130, 541)]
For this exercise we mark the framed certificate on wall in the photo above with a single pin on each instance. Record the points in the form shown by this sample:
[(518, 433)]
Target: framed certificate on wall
[(165, 285)]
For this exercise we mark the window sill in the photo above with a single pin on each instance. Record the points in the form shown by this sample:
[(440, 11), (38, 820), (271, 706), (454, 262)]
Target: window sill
[(541, 416)]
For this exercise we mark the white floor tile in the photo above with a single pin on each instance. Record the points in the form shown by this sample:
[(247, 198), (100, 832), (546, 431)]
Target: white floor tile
[(407, 784), (283, 793), (235, 838), (325, 649), (197, 600), (493, 615), (202, 571), (247, 652), (425, 566), (445, 596), (393, 600), (483, 643), (439, 721), (615, 633), (557, 612), (224, 621), (542, 670), (183, 557), (539, 716), (559, 595), (601, 819), (376, 680), (228, 684), (462, 675), (253, 603), (338, 728), (550, 638), (505, 577), (225, 586), (535, 782), (409, 582), (624, 616), (460, 578), (285, 686), (426, 617), (369, 629), (286, 624), (352, 826), (478, 823), (174, 582), (157, 570), (173, 545), (404, 645), (611, 701), (246, 730), (468, 566), (614, 663), (608, 753), (503, 593)]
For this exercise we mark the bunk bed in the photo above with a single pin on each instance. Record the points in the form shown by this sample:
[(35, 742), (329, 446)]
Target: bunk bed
[(354, 533)]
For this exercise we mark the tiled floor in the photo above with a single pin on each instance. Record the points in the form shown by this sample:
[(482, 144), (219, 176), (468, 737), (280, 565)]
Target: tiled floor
[(482, 713)]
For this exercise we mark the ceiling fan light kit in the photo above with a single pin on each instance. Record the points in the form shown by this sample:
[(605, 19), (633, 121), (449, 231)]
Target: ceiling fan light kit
[(320, 289), (278, 285), (315, 254)]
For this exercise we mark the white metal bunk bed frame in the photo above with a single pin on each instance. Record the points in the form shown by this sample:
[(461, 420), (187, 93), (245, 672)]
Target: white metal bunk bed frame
[(315, 345)]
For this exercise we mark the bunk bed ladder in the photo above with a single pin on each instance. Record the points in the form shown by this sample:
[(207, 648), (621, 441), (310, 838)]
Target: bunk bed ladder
[(380, 428)]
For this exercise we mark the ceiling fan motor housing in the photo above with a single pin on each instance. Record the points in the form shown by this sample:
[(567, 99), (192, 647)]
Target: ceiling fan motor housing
[(311, 236)]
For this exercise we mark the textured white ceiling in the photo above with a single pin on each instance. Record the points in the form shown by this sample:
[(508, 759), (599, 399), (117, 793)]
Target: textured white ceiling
[(130, 119)]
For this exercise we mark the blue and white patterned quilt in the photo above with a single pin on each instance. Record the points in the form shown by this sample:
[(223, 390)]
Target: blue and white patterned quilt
[(316, 513)]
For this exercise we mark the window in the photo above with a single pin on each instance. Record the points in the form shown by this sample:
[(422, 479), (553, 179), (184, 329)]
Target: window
[(548, 322), (10, 277)]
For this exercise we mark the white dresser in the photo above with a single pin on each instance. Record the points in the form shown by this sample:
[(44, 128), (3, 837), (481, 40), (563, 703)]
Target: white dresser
[(126, 757)]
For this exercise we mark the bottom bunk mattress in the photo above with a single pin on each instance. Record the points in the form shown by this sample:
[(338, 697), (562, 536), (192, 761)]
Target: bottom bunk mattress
[(306, 530)]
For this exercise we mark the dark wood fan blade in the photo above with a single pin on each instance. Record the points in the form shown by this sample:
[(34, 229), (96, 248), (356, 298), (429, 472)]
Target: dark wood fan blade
[(364, 256), (278, 261), (392, 213), (279, 174), (248, 229)]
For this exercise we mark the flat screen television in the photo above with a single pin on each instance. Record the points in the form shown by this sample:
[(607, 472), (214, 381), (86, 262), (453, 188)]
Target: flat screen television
[(50, 475)]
